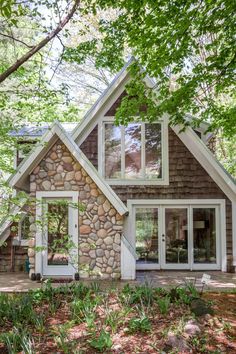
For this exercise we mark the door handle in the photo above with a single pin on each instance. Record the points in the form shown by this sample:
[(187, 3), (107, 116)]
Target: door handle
[(163, 237)]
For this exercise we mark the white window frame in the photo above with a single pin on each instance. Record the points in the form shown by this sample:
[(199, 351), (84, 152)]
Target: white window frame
[(67, 270), (164, 180), (190, 204)]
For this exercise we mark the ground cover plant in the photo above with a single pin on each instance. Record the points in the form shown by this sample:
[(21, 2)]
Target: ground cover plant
[(76, 318)]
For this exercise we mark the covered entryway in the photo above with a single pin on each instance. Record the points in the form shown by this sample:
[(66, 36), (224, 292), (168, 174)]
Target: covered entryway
[(178, 234)]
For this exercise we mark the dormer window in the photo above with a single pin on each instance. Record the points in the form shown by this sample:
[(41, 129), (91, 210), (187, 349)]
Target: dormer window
[(134, 153)]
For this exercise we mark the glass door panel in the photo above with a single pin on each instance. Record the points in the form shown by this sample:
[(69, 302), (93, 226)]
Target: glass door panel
[(58, 233), (204, 235), (176, 235), (146, 224)]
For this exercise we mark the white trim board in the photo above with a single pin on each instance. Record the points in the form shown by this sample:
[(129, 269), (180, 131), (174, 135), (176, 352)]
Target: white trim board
[(50, 137)]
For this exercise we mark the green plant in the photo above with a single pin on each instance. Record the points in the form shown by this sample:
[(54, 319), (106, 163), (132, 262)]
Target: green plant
[(191, 289), (163, 303), (40, 323), (17, 340), (139, 324), (95, 287), (82, 308), (17, 309), (114, 319), (79, 290), (142, 294), (183, 295), (61, 338), (226, 326), (90, 320), (102, 342)]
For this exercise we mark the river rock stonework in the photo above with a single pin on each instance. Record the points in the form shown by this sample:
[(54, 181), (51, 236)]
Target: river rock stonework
[(100, 225)]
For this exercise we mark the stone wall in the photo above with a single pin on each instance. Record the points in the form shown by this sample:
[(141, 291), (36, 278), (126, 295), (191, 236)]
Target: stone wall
[(100, 225)]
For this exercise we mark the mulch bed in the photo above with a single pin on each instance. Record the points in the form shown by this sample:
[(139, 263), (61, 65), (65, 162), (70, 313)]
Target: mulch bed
[(218, 331)]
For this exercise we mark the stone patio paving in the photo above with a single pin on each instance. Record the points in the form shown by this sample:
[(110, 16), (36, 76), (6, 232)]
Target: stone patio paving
[(19, 282)]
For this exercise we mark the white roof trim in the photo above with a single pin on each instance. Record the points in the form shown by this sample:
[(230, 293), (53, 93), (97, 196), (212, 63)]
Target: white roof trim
[(207, 160), (5, 225), (48, 139), (120, 80)]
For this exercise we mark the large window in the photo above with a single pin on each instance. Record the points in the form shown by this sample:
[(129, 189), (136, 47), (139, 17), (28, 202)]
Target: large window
[(133, 152)]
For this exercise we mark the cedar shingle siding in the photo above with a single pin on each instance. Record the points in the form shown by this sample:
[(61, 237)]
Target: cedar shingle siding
[(90, 147)]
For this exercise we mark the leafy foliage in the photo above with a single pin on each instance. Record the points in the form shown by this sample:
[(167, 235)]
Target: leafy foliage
[(187, 46)]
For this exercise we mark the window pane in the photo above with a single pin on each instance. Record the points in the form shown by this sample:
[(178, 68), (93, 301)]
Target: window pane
[(176, 235), (204, 235), (112, 151), (133, 151), (25, 228), (57, 222), (153, 151), (147, 235)]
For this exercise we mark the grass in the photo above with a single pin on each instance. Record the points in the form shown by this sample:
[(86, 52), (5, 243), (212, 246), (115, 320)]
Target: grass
[(85, 319)]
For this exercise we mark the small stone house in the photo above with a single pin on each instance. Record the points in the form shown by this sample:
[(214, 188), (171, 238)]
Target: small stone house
[(108, 200)]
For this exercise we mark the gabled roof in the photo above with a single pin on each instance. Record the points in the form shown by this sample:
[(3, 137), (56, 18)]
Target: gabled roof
[(20, 178), (120, 80), (188, 137)]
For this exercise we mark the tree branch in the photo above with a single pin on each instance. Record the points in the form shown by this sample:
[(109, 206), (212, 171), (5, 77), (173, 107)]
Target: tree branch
[(41, 44), (15, 39)]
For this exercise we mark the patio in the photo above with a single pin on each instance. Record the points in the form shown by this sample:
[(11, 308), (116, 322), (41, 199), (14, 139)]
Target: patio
[(19, 282)]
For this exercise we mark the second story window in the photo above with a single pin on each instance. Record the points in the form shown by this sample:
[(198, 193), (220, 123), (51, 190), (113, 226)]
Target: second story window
[(133, 152)]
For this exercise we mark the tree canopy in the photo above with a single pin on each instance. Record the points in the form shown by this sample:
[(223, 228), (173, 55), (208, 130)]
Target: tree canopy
[(187, 47)]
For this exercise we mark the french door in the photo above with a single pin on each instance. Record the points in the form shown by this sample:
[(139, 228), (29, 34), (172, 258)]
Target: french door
[(177, 237), (58, 234)]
